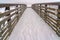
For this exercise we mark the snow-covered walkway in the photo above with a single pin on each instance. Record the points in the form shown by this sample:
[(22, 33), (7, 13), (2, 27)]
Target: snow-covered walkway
[(32, 27)]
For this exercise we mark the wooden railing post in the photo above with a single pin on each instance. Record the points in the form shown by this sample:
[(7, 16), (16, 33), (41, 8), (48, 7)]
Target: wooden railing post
[(40, 10), (17, 9), (45, 14), (6, 9), (17, 14), (21, 9), (0, 32), (8, 21), (58, 21)]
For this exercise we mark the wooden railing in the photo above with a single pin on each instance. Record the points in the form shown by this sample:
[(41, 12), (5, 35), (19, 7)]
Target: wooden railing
[(9, 18), (50, 13)]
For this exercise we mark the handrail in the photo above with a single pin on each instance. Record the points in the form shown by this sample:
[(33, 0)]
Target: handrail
[(48, 3), (7, 5), (50, 14), (11, 17)]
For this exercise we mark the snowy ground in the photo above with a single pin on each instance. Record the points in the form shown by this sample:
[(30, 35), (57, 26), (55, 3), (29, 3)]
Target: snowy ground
[(32, 27)]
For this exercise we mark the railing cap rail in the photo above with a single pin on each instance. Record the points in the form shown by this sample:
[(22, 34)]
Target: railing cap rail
[(49, 3), (9, 4)]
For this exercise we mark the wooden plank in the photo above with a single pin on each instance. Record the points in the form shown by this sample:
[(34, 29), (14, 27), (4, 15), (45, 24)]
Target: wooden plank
[(51, 25), (52, 18), (8, 12), (49, 8), (1, 22), (51, 13)]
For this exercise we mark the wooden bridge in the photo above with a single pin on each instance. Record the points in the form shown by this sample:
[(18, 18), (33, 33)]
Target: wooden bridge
[(49, 12)]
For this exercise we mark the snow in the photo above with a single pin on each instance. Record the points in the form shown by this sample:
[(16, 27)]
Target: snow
[(32, 27)]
